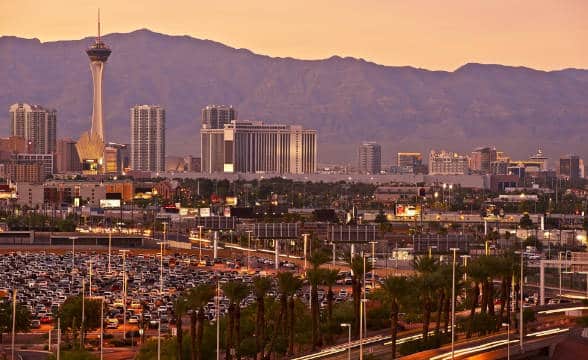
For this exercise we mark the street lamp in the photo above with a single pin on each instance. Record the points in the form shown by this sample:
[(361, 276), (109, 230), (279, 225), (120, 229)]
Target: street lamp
[(453, 304), (361, 320), (305, 237), (348, 326), (507, 340), (73, 251), (200, 243), (124, 253)]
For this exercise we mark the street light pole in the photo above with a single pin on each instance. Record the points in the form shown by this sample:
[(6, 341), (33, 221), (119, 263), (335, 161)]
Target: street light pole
[(161, 243), (124, 253), (373, 264), (521, 307), (109, 249), (453, 305), (73, 252), (507, 340), (199, 243), (13, 320), (305, 237), (348, 326), (248, 247)]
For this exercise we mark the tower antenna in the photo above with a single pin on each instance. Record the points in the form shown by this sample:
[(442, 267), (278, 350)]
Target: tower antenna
[(98, 39)]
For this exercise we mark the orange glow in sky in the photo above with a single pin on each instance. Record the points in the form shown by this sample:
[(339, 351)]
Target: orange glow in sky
[(433, 34)]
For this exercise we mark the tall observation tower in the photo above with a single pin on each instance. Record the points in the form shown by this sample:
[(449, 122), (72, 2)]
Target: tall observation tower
[(91, 145)]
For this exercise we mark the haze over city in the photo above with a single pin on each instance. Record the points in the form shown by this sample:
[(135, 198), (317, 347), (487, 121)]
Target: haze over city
[(293, 180)]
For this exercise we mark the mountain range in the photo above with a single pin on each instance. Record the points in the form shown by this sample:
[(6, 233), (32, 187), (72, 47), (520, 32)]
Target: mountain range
[(347, 100)]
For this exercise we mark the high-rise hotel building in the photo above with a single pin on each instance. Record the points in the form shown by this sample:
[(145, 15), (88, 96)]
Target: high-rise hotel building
[(216, 116), (35, 124), (254, 147), (447, 163), (148, 138), (370, 158)]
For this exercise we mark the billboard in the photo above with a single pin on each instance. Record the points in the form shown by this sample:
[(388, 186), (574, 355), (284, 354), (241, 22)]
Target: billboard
[(109, 203), (204, 212), (403, 210)]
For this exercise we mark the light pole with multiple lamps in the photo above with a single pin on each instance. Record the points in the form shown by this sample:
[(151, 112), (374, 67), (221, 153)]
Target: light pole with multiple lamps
[(161, 244), (348, 326), (200, 242), (455, 250)]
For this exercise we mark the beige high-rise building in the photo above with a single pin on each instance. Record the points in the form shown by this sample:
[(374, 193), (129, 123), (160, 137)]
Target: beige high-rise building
[(447, 163), (254, 147), (36, 125), (148, 138)]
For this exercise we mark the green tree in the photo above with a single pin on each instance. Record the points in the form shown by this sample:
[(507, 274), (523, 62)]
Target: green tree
[(180, 308), (198, 297), (23, 318), (330, 280), (357, 265), (394, 287), (526, 222), (315, 278), (427, 284), (236, 291), (70, 314), (261, 285)]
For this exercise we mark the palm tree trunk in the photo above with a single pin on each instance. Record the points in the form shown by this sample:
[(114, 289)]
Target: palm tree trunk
[(484, 304), (394, 318), (200, 336), (356, 288), (426, 319), (238, 330), (193, 352), (447, 310), (503, 297), (230, 328), (439, 312), (179, 337), (291, 327), (330, 297), (491, 296), (278, 325), (475, 293), (260, 327), (314, 315)]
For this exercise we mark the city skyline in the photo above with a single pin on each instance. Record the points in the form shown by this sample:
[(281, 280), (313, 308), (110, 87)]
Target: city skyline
[(544, 34)]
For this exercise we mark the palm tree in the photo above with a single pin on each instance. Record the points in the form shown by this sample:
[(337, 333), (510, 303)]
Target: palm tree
[(198, 297), (295, 285), (477, 274), (330, 279), (180, 308), (261, 285), (427, 282), (357, 271), (394, 288), (288, 285), (236, 291), (315, 277)]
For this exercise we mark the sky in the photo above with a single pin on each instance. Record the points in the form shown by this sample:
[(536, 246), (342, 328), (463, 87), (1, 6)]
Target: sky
[(431, 34)]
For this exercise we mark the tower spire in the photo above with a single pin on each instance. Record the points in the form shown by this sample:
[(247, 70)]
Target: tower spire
[(98, 38)]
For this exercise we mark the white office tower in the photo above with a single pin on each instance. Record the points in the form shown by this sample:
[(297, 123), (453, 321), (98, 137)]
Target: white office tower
[(148, 138)]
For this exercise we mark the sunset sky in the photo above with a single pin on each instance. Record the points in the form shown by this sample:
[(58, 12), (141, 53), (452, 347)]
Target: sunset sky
[(432, 34)]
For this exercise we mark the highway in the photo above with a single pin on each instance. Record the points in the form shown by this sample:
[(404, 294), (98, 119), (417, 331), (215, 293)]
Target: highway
[(379, 346)]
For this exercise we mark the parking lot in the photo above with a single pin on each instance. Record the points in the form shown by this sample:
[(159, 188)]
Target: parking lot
[(44, 280)]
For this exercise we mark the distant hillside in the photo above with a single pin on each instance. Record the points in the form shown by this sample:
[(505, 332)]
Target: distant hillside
[(347, 100)]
